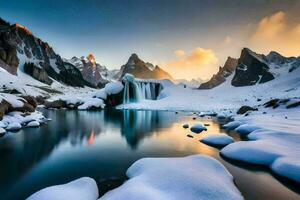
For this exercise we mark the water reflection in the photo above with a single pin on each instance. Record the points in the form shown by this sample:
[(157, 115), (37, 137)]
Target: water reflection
[(103, 145)]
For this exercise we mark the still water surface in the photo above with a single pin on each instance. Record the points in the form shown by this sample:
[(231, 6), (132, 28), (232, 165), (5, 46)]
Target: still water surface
[(103, 144)]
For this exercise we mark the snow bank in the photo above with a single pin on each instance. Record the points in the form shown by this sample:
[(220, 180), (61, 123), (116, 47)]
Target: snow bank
[(114, 87), (198, 128), (221, 139), (194, 177), (245, 129), (101, 94), (280, 151), (14, 121), (232, 125), (90, 103), (81, 189)]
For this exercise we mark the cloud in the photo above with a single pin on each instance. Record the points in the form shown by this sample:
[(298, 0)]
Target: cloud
[(198, 63), (179, 53), (277, 33)]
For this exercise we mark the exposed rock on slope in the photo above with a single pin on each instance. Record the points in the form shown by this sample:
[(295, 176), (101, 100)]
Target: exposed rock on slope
[(222, 74), (256, 68), (19, 46), (252, 68), (92, 72), (140, 69)]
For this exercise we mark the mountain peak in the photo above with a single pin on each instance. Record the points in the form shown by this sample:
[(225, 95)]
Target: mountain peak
[(134, 57)]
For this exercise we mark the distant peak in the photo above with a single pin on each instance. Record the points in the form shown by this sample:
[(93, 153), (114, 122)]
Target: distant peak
[(92, 59), (134, 56)]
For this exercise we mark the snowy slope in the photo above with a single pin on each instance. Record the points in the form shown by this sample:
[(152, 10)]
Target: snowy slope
[(224, 96)]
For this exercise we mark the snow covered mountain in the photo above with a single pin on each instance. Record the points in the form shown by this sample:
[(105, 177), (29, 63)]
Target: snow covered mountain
[(256, 68), (143, 70), (252, 68), (92, 72), (21, 50), (223, 73)]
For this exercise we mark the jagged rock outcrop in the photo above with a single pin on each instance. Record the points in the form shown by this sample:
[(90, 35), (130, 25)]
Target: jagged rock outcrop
[(91, 71), (18, 46), (223, 73), (142, 70), (251, 69)]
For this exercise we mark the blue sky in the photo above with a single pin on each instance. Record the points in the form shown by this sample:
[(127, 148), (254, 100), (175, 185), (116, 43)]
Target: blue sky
[(114, 29)]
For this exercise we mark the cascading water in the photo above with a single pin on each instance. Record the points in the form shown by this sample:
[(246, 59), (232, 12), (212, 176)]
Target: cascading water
[(136, 90)]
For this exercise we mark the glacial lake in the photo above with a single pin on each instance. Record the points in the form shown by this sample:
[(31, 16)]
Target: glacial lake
[(103, 144)]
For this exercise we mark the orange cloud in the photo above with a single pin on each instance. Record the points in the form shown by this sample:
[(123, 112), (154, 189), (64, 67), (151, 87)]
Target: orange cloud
[(275, 32), (199, 63), (179, 53)]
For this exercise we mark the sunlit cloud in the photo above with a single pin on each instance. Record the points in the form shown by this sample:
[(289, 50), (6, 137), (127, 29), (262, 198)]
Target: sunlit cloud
[(179, 53), (198, 63), (275, 32)]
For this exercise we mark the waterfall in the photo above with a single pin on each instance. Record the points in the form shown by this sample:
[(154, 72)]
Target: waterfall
[(137, 90)]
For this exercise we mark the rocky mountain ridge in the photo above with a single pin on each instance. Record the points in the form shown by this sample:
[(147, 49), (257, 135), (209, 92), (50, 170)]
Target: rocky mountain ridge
[(221, 75), (21, 50), (143, 70)]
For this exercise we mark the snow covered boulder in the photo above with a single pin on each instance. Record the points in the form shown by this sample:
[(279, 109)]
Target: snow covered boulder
[(81, 189), (232, 125), (245, 129), (101, 94), (2, 131), (33, 124), (198, 128), (113, 88), (221, 140), (91, 104), (195, 177), (13, 126)]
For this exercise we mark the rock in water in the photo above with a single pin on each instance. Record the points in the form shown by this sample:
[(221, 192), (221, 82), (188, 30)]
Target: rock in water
[(14, 126), (33, 124), (185, 126), (198, 128)]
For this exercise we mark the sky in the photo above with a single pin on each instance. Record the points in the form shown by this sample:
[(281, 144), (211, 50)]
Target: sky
[(188, 38)]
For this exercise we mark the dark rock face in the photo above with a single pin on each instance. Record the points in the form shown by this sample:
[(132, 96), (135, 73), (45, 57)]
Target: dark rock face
[(245, 109), (92, 74), (114, 99), (37, 73), (272, 103), (16, 41), (222, 74), (4, 107), (55, 104), (251, 69), (90, 70), (140, 69)]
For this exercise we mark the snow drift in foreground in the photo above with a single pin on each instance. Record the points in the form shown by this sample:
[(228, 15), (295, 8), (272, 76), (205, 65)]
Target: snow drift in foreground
[(81, 189), (221, 139), (276, 149), (193, 177)]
